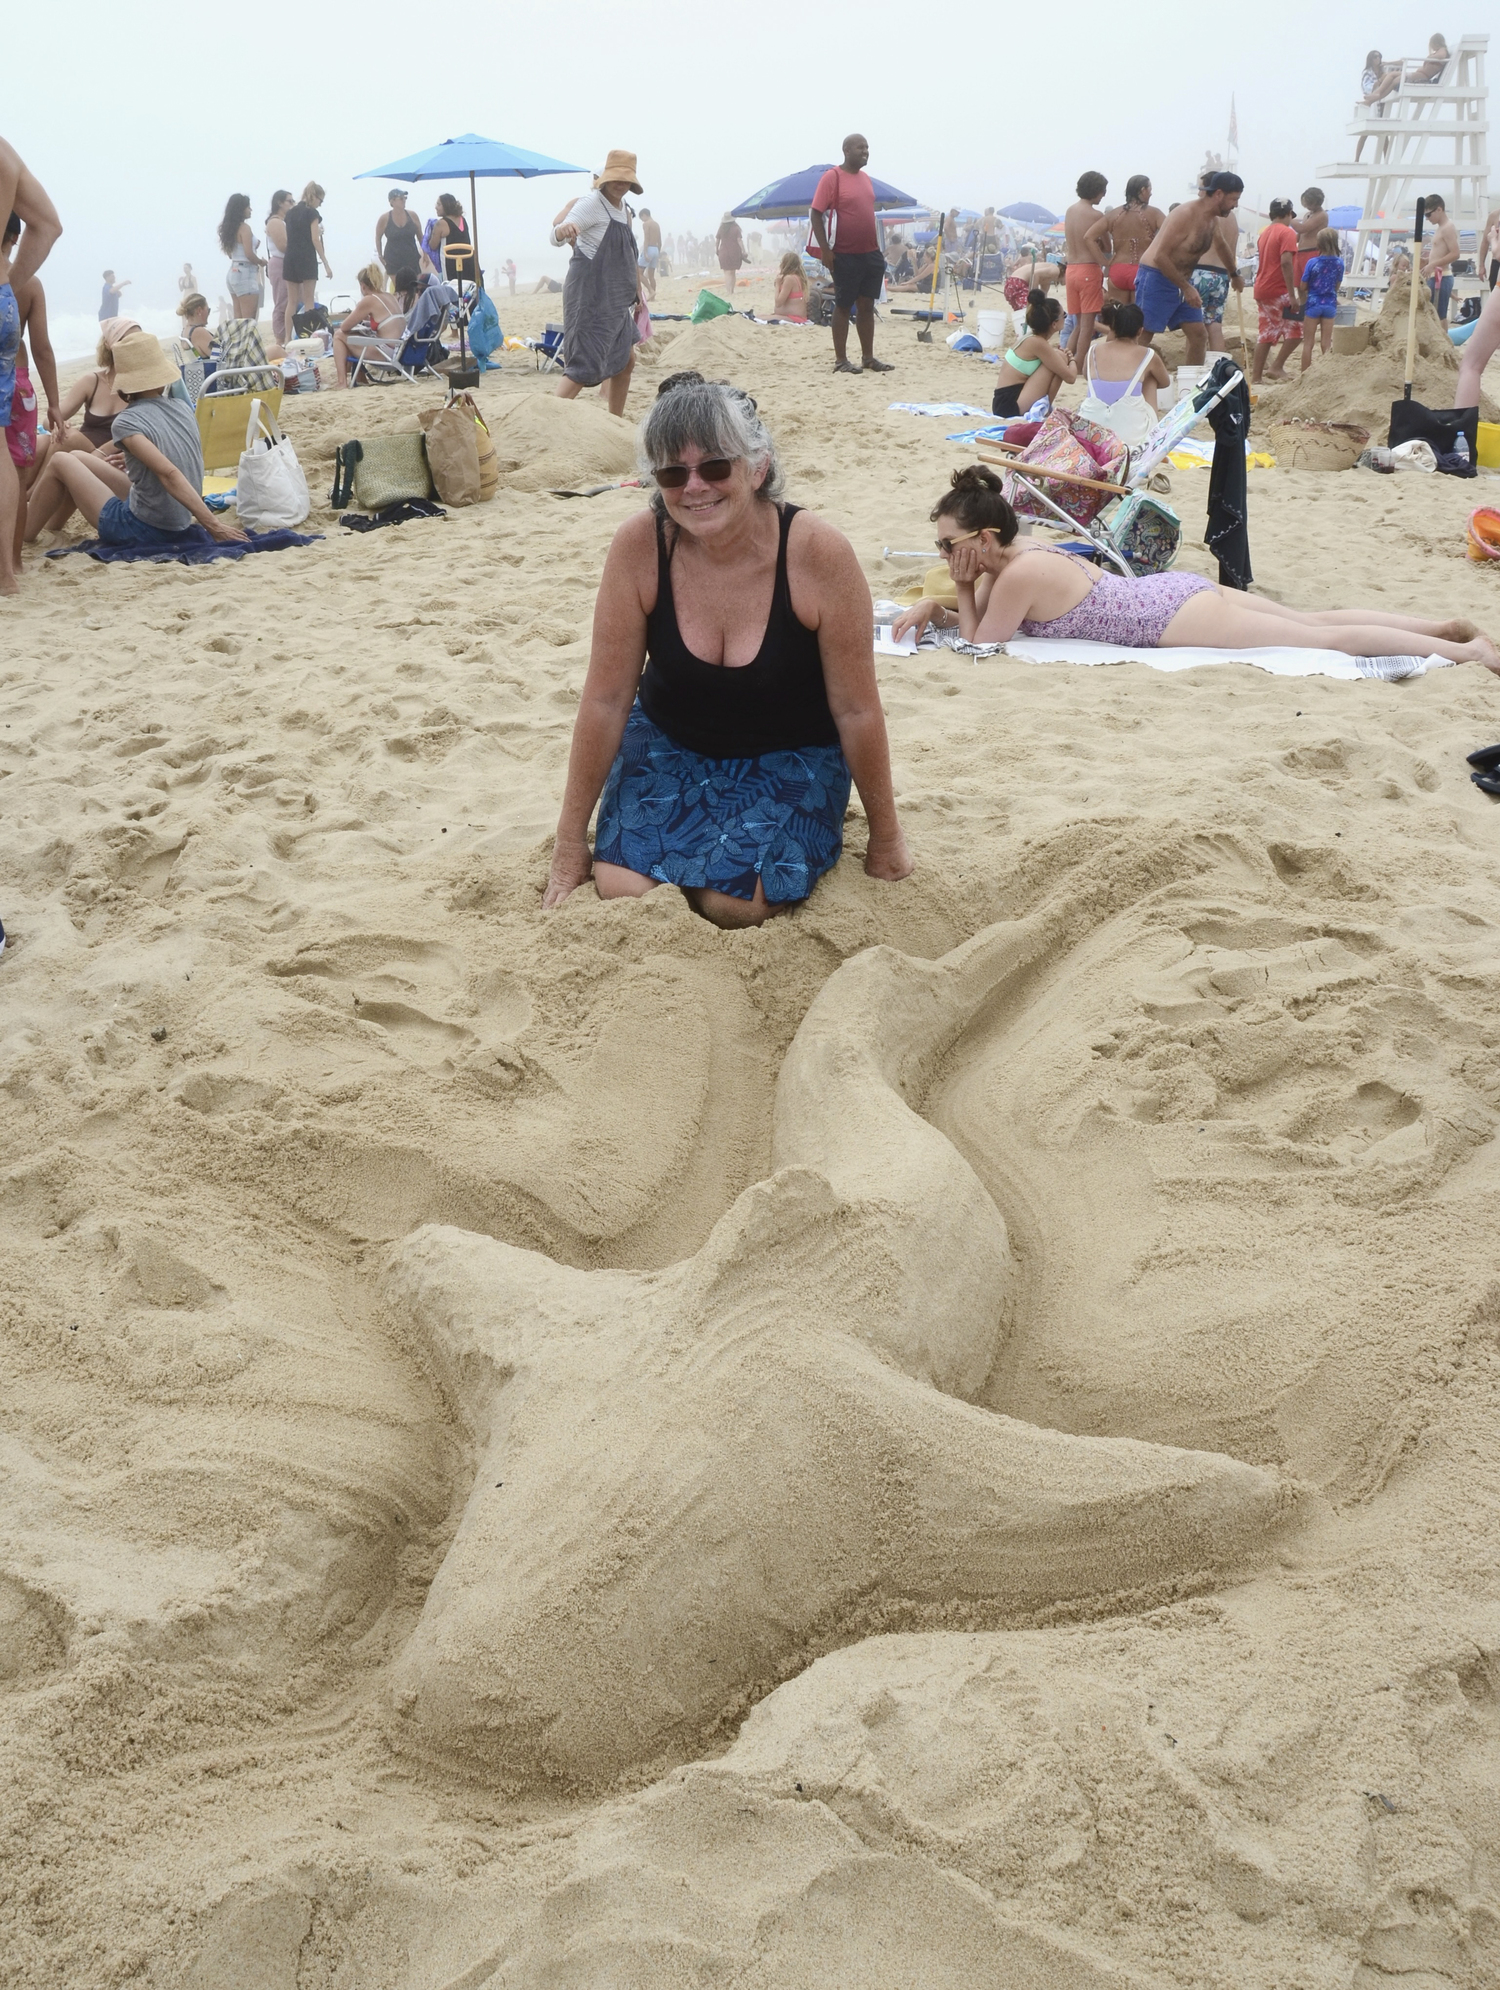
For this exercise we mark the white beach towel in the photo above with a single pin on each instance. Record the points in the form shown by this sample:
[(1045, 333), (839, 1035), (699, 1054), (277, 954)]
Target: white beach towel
[(1280, 662)]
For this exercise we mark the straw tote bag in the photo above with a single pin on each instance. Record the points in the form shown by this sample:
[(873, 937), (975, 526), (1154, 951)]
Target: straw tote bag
[(272, 493), (390, 470)]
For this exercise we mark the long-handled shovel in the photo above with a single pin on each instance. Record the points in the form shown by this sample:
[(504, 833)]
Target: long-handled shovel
[(1246, 356), (1411, 316), (924, 336)]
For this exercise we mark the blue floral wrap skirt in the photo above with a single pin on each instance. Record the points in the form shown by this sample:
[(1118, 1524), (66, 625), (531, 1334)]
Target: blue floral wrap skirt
[(722, 825)]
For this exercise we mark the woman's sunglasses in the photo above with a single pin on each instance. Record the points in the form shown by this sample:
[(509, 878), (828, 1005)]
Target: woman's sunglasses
[(717, 470), (945, 546)]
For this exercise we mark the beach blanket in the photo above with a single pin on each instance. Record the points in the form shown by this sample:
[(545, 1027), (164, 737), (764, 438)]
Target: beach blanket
[(195, 549), (948, 410), (1279, 661)]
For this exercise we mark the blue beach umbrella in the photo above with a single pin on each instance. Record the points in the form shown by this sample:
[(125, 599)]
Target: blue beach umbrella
[(790, 198), (1027, 210), (473, 158)]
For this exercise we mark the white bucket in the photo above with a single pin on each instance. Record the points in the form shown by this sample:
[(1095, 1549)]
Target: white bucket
[(992, 330), (1189, 380)]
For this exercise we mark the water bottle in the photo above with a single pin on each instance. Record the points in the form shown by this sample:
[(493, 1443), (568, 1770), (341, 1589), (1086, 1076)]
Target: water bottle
[(1461, 446)]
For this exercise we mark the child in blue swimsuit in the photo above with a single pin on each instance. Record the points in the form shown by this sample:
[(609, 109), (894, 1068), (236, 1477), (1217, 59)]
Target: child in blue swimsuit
[(1321, 277)]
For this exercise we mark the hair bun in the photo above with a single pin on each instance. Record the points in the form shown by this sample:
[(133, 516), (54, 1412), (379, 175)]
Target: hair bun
[(1036, 297), (976, 477)]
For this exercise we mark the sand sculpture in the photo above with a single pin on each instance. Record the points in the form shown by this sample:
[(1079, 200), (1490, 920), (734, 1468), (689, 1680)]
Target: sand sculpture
[(658, 1533)]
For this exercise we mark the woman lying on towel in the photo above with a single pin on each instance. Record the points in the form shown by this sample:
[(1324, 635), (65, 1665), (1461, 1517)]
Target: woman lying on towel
[(1006, 589)]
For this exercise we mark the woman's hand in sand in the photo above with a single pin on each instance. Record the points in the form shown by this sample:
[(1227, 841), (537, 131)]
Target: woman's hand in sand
[(888, 857), (915, 620), (572, 865)]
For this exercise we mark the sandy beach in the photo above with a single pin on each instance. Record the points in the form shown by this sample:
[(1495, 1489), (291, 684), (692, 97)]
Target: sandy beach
[(1194, 993)]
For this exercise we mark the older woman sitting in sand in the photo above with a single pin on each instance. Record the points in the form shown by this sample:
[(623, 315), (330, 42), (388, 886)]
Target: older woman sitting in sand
[(731, 690), (377, 319), (1007, 589)]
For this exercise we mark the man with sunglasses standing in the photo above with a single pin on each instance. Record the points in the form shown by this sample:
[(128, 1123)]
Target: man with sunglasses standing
[(854, 256)]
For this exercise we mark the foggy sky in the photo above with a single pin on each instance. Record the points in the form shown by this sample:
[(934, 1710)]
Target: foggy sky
[(142, 117)]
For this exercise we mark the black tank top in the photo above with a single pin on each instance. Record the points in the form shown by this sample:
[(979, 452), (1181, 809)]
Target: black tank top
[(458, 250), (773, 705)]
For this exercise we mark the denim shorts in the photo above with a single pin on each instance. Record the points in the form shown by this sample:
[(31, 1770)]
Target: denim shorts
[(119, 526)]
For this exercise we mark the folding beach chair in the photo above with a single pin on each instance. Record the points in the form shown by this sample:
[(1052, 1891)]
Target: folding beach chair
[(223, 413), (547, 350), (1129, 527)]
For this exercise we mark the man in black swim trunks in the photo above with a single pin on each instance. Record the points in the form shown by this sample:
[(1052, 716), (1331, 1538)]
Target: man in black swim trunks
[(854, 257)]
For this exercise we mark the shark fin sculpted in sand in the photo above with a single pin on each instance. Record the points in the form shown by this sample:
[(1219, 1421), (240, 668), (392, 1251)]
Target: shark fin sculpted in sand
[(655, 1537)]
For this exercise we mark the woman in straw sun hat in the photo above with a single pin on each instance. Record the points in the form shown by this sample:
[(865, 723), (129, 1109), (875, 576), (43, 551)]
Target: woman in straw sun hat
[(603, 285), (157, 498)]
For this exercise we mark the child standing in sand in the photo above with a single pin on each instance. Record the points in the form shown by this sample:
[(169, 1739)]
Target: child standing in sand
[(1321, 276)]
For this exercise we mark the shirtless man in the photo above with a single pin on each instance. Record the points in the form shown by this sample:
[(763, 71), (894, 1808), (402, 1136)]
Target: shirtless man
[(1216, 273), (1439, 254), (21, 193), (1130, 230), (1164, 286), (1086, 232), (650, 251), (1309, 227)]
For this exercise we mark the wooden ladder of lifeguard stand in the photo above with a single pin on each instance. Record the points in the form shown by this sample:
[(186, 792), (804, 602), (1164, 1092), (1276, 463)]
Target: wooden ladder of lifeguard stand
[(1423, 138)]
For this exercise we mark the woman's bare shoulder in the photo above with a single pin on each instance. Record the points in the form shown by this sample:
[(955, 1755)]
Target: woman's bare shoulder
[(636, 537), (818, 548)]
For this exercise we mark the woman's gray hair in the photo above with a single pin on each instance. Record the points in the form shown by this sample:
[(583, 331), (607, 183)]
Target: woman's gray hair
[(717, 420)]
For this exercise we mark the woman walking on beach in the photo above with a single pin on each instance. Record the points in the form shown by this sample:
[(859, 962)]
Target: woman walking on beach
[(304, 250), (281, 203), (731, 689), (730, 244), (245, 259), (1006, 588), (603, 287)]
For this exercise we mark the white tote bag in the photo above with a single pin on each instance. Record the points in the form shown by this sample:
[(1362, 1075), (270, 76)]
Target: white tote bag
[(273, 494)]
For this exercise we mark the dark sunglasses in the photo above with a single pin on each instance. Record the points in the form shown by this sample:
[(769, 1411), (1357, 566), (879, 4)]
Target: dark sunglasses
[(717, 470)]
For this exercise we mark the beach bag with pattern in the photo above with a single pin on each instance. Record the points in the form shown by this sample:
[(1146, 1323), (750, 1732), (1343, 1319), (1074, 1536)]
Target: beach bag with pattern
[(1143, 531), (389, 470), (1080, 448)]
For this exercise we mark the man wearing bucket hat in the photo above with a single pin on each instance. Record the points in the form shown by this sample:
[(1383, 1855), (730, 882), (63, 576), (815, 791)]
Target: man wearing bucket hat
[(603, 287), (157, 497)]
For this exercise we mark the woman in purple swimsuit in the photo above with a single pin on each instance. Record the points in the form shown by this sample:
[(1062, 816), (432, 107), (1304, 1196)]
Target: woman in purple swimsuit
[(1010, 589)]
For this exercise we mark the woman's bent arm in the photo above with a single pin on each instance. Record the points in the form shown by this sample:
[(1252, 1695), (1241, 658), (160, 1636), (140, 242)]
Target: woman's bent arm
[(615, 662), (846, 617)]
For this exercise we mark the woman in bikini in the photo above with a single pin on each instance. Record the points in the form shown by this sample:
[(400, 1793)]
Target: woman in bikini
[(791, 289), (378, 316), (1123, 379), (1006, 588), (1036, 366), (1131, 228)]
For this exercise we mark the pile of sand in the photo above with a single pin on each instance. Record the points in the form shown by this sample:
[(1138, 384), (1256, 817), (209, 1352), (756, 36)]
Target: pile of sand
[(545, 443), (716, 347), (1362, 389)]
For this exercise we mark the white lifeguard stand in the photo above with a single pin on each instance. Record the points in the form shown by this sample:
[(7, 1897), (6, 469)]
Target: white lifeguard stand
[(1423, 138)]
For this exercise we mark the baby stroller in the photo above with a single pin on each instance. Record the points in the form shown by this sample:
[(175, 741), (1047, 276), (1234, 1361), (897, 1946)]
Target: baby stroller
[(1083, 476)]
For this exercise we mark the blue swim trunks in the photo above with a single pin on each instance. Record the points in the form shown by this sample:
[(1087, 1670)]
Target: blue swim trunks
[(1161, 302), (724, 825), (10, 346)]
